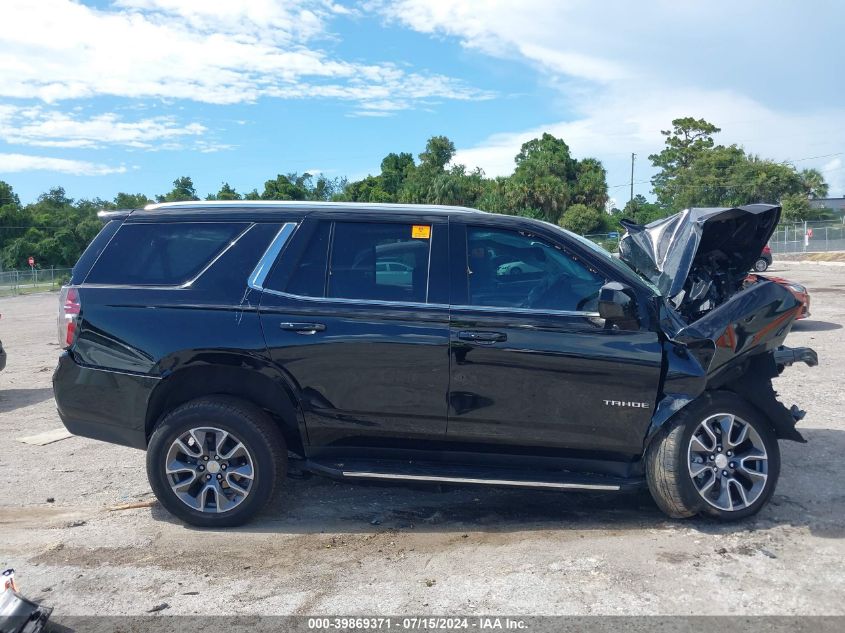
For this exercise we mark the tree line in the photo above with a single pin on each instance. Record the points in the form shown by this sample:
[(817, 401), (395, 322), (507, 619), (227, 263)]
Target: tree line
[(547, 183)]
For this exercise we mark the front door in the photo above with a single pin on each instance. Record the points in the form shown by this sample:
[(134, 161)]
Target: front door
[(532, 365), (352, 316)]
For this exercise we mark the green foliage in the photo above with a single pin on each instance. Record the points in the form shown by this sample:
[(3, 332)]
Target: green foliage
[(54, 230), (695, 172), (370, 189), (579, 218), (813, 183), (7, 196), (439, 150), (183, 189), (395, 169), (688, 139), (226, 193), (296, 186), (796, 207), (547, 180), (642, 211), (131, 201)]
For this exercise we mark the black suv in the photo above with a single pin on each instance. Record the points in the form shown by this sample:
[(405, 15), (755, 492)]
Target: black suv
[(422, 343)]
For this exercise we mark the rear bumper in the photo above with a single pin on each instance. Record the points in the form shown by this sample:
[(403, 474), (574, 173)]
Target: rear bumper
[(104, 405)]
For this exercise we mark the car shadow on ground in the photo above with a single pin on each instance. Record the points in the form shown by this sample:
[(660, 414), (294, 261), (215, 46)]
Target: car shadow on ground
[(12, 399), (316, 505), (815, 326)]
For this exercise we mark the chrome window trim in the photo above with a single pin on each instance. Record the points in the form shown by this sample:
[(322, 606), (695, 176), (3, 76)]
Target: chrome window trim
[(262, 268), (580, 313), (214, 260), (410, 304)]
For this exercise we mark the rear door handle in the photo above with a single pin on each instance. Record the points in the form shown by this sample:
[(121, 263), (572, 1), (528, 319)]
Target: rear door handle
[(482, 337), (303, 328)]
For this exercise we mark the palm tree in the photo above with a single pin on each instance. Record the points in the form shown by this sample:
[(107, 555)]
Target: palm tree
[(813, 183)]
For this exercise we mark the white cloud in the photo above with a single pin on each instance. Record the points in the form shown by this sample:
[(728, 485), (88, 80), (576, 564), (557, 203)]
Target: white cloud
[(612, 127), (12, 163), (623, 70), (545, 33), (834, 173), (41, 127), (214, 51)]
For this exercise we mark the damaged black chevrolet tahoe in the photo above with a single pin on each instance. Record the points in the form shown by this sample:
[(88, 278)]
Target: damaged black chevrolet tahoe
[(422, 343)]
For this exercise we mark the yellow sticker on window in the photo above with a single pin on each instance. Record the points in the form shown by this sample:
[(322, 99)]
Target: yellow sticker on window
[(421, 231)]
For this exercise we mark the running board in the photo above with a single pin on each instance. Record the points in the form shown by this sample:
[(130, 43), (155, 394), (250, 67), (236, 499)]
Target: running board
[(470, 475)]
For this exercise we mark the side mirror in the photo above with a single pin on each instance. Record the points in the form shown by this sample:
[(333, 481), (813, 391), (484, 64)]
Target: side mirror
[(618, 306)]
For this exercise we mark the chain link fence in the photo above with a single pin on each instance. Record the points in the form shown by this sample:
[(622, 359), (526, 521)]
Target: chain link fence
[(16, 282), (809, 237), (798, 237)]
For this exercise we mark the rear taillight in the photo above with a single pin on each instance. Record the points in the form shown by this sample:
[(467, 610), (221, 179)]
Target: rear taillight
[(69, 308)]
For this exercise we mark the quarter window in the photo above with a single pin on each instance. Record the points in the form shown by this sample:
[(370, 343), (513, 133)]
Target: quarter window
[(161, 254), (387, 262), (519, 270)]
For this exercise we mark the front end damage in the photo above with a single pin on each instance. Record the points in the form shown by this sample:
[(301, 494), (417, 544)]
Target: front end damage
[(719, 332)]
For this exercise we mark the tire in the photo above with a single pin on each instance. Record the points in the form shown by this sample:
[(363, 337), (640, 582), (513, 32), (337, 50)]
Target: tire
[(249, 443), (761, 265), (672, 456)]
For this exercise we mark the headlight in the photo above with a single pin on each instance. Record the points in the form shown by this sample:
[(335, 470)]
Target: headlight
[(797, 288)]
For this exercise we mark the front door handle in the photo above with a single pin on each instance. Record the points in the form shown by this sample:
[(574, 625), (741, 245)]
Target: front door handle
[(303, 328), (482, 337)]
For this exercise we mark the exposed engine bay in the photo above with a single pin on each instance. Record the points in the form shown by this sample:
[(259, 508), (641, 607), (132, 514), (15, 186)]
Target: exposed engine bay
[(698, 258)]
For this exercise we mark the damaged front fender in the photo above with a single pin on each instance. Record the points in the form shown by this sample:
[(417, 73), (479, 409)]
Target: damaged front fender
[(737, 346)]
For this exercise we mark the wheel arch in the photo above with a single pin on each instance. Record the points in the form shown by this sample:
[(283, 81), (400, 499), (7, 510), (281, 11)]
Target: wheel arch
[(762, 397), (257, 386)]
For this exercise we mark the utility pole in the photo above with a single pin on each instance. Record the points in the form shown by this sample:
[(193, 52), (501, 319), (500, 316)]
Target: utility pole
[(633, 210)]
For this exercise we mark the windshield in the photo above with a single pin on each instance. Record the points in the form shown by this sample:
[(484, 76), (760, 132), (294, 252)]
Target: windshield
[(615, 262)]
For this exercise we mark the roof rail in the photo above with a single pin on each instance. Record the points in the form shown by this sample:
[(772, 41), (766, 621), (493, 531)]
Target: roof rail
[(303, 204)]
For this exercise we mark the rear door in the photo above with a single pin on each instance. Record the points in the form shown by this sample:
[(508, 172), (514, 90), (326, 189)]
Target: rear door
[(355, 313), (532, 364)]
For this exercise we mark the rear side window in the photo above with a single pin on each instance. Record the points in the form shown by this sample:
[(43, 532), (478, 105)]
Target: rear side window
[(162, 254), (372, 261), (93, 252)]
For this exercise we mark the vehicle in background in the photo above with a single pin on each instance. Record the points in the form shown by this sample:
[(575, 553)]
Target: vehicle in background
[(798, 291), (389, 273), (764, 261)]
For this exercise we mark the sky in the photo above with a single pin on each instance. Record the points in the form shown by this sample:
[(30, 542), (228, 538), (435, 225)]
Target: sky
[(127, 95)]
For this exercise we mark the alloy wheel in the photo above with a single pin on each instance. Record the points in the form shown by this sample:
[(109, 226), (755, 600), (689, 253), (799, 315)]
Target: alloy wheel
[(728, 462), (209, 469)]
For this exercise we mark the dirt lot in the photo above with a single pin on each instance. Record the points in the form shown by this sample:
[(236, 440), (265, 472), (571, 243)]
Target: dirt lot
[(333, 548)]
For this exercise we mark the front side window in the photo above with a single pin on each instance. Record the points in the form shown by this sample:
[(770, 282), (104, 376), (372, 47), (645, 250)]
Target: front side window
[(518, 270), (374, 261)]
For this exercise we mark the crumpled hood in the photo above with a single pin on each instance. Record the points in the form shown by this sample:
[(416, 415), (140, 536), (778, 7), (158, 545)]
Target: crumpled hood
[(717, 244)]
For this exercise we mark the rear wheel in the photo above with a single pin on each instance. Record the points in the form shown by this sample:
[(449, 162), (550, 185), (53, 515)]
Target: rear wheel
[(215, 462), (761, 265), (719, 457)]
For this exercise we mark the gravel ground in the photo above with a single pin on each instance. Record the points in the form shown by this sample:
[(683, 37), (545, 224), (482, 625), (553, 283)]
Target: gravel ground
[(335, 548)]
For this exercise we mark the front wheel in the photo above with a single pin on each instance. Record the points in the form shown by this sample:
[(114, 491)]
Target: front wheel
[(215, 462), (761, 265), (718, 457)]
